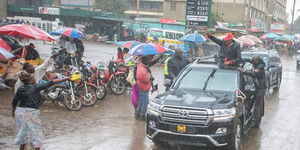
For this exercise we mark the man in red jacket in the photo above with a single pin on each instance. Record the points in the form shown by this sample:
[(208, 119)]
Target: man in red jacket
[(143, 78)]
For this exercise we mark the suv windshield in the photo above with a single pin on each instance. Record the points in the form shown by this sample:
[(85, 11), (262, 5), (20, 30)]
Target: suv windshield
[(220, 80)]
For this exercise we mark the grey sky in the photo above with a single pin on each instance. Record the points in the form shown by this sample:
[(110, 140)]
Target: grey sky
[(289, 8)]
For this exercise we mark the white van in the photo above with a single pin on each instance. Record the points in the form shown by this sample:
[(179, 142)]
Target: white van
[(166, 38)]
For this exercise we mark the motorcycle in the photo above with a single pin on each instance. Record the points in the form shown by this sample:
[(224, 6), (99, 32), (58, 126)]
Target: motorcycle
[(85, 88), (64, 57), (113, 78), (64, 93)]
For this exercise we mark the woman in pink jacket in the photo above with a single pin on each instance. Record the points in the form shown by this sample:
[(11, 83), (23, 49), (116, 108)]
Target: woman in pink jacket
[(143, 78)]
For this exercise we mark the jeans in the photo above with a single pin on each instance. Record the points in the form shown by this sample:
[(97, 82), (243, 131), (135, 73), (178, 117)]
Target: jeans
[(143, 104)]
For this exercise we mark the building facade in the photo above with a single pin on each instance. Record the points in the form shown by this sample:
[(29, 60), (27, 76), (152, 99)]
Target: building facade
[(146, 9), (3, 8), (234, 11), (175, 9)]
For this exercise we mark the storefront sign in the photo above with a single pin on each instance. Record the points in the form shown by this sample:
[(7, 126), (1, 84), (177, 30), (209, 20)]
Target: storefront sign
[(197, 12), (257, 25), (277, 27), (167, 20), (49, 10)]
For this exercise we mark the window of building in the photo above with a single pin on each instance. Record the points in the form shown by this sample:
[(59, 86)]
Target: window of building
[(173, 6)]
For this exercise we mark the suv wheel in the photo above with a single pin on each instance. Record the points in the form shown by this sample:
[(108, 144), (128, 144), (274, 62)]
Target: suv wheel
[(235, 142), (276, 88)]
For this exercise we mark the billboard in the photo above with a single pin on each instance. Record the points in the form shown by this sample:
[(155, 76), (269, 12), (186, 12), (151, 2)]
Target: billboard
[(198, 12), (77, 3)]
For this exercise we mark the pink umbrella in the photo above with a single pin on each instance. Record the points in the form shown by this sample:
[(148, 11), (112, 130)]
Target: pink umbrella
[(243, 40), (254, 38), (25, 31)]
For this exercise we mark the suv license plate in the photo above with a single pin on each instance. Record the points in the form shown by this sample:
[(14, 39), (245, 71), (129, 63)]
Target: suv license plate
[(181, 128)]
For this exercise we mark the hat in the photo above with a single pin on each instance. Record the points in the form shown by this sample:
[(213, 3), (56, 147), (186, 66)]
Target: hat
[(228, 36)]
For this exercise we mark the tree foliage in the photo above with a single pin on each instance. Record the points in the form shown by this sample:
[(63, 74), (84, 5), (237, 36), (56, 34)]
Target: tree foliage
[(112, 6)]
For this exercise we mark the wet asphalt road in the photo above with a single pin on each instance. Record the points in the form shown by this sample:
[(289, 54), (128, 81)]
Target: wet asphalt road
[(110, 124)]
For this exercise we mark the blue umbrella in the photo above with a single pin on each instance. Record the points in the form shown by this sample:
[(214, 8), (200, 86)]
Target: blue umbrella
[(291, 37), (72, 33), (194, 38), (272, 36), (147, 49)]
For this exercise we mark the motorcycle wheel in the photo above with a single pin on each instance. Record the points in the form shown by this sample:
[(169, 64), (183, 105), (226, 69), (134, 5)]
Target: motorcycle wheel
[(88, 99), (72, 105), (117, 86), (101, 92)]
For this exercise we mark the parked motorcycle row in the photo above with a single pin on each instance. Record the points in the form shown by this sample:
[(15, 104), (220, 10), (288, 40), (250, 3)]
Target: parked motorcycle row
[(88, 83)]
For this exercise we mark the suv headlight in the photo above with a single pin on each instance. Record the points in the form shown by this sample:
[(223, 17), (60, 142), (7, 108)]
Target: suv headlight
[(224, 114), (154, 109)]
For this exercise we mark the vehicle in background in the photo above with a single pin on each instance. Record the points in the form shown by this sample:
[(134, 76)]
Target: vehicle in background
[(203, 109), (46, 25), (273, 67), (167, 38)]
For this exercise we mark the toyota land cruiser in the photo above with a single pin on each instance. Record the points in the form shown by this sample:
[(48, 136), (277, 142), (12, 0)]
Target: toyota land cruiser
[(205, 106)]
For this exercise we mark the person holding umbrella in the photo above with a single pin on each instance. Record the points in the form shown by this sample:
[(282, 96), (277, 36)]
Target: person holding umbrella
[(143, 80), (230, 52)]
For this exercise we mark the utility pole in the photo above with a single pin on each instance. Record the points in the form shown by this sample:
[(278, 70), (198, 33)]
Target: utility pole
[(293, 14), (137, 8)]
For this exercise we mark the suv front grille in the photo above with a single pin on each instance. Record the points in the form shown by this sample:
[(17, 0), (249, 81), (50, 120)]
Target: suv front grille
[(182, 115)]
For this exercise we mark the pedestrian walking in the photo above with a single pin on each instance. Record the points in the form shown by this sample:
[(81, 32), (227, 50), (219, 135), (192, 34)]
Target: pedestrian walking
[(143, 79), (25, 110)]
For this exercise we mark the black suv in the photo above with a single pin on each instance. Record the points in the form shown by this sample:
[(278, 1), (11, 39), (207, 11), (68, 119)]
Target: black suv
[(205, 106), (273, 67)]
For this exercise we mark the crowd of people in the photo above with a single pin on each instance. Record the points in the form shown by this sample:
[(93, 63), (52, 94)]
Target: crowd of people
[(26, 101)]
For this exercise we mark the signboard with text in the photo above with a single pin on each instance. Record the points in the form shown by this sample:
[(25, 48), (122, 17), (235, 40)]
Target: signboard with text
[(198, 12), (49, 11), (167, 20)]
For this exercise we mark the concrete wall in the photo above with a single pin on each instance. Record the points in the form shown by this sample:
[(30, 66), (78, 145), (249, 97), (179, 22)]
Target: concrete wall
[(3, 8)]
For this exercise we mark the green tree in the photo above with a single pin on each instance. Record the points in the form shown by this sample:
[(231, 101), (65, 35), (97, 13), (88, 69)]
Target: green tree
[(113, 6)]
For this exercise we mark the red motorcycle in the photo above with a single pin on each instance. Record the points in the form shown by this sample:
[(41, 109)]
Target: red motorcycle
[(113, 77)]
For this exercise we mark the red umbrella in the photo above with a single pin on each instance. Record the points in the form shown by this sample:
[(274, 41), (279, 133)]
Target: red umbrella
[(4, 45), (25, 31)]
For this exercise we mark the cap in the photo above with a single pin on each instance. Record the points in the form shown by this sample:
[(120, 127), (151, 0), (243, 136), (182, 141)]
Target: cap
[(228, 36)]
